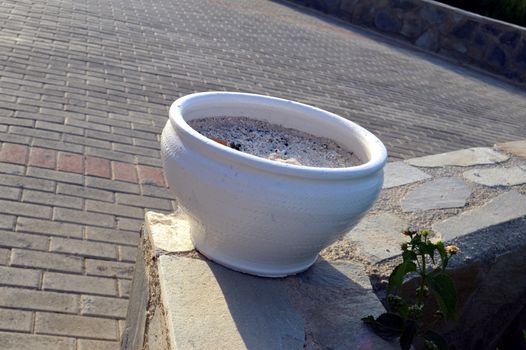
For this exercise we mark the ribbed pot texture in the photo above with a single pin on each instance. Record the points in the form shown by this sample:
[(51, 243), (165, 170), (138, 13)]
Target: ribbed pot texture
[(259, 216)]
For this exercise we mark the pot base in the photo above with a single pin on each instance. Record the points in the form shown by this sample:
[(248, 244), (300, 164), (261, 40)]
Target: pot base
[(260, 270)]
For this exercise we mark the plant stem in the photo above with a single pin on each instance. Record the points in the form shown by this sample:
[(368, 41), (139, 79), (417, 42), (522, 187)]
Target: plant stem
[(420, 297)]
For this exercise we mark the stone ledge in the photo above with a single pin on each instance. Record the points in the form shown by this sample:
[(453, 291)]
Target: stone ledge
[(322, 307), (182, 300)]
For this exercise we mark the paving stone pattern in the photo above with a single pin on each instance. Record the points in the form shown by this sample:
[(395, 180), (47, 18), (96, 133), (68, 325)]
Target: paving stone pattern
[(85, 88), (455, 202)]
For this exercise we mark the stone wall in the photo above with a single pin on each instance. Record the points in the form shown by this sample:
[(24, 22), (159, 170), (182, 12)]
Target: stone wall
[(494, 46)]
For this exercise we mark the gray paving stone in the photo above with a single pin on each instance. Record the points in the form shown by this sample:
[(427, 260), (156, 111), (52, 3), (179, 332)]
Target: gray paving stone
[(20, 341), (83, 248), (337, 274), (91, 305), (19, 130), (5, 255), (13, 169), (516, 148), (55, 175), (72, 325), (505, 207), (144, 202), (18, 277), (51, 199), (54, 228), (129, 224), (22, 240), (124, 288), (88, 344), (109, 268), (115, 209), (497, 176), (85, 192), (44, 260), (200, 296), (82, 217), (58, 145), (112, 235), (38, 300), (15, 320), (24, 209), (118, 186), (7, 221), (9, 193), (78, 284), (27, 182), (445, 192), (399, 173), (127, 253), (464, 157), (378, 237)]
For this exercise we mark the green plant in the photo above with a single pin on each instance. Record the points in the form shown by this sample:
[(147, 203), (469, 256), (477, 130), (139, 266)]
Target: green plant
[(404, 319)]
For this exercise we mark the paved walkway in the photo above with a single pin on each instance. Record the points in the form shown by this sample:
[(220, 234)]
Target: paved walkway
[(84, 92)]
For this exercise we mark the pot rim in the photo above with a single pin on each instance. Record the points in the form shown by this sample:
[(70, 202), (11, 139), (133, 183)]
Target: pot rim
[(378, 152)]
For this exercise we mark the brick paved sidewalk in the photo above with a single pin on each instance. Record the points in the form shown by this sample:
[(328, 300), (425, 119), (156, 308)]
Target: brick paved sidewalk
[(84, 92)]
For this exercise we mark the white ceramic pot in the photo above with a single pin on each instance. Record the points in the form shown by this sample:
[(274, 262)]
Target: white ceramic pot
[(259, 216)]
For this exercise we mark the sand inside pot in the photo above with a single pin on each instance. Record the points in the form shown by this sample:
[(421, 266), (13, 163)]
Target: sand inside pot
[(275, 142)]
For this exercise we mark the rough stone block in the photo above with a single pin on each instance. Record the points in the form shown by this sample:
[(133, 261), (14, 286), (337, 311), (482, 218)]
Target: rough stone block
[(399, 173), (446, 192), (505, 207), (168, 233), (379, 237), (227, 309), (464, 157), (516, 148), (497, 176), (386, 21), (428, 41)]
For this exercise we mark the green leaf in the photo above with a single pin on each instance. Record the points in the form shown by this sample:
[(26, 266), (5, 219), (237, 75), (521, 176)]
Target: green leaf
[(443, 254), (443, 289), (403, 311), (409, 255), (397, 276), (408, 334), (368, 319), (388, 325), (437, 339), (431, 250)]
